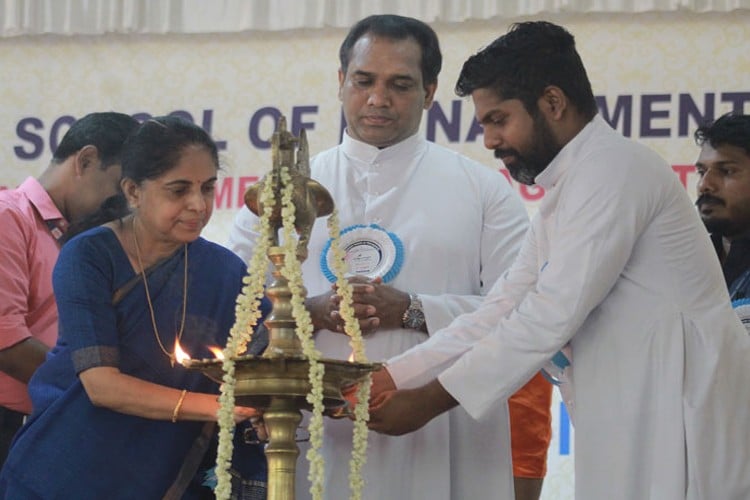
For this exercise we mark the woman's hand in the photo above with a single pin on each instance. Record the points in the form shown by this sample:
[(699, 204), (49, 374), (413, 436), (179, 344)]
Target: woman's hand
[(259, 426), (242, 413)]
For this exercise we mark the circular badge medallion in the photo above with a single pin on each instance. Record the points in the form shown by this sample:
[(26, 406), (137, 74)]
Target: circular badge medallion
[(369, 251)]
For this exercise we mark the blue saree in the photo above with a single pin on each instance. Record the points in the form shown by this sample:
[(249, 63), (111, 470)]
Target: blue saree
[(71, 449)]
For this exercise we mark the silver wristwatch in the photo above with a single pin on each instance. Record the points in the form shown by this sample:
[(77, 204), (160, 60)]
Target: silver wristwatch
[(414, 315)]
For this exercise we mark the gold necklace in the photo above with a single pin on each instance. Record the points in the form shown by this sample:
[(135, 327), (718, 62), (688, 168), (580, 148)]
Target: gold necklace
[(170, 355)]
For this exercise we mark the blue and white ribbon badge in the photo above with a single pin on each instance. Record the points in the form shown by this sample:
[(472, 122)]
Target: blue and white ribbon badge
[(369, 251)]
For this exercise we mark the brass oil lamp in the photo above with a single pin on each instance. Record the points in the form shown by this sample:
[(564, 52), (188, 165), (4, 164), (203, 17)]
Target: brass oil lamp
[(277, 382)]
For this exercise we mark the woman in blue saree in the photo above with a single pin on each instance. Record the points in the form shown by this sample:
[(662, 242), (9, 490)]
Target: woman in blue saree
[(114, 416)]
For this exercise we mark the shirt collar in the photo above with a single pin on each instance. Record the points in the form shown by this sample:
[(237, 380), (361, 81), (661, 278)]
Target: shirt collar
[(41, 200), (369, 154), (569, 154)]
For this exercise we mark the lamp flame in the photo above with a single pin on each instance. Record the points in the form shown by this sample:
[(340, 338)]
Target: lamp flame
[(179, 355), (351, 357), (216, 352)]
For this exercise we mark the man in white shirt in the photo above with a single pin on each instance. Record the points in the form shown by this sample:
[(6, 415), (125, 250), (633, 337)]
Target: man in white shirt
[(616, 265), (430, 232)]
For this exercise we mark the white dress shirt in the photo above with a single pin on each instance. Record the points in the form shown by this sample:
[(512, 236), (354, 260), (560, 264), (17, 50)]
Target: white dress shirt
[(461, 226)]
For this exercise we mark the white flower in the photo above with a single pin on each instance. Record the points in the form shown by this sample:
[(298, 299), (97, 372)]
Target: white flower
[(247, 313), (351, 327)]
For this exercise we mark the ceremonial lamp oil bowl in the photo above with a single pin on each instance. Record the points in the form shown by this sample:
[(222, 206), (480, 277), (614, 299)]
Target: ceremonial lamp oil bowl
[(277, 382)]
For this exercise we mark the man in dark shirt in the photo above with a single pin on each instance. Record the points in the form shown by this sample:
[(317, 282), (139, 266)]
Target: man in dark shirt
[(724, 195)]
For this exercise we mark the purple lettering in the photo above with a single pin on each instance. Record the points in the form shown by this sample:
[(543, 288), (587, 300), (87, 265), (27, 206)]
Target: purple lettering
[(688, 109), (54, 133), (298, 122), (253, 130), (25, 134), (737, 99), (648, 114), (451, 128), (623, 108), (207, 125)]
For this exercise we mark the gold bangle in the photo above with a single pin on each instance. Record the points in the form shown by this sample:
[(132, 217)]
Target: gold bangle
[(176, 412)]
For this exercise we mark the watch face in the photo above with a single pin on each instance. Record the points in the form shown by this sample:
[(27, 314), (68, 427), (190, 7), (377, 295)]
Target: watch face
[(414, 318), (414, 314)]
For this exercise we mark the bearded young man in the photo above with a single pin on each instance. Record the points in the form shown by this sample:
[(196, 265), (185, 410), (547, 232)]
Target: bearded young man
[(617, 267)]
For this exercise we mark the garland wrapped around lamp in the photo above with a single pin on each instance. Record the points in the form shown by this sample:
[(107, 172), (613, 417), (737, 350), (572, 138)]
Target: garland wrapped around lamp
[(290, 375)]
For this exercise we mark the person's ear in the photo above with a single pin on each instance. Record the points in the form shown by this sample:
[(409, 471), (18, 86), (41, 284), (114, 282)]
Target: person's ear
[(131, 191), (429, 95), (553, 102), (342, 77), (86, 160)]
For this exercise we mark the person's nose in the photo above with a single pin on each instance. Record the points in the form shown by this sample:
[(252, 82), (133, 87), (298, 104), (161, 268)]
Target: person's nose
[(492, 140), (379, 96), (707, 183), (197, 202)]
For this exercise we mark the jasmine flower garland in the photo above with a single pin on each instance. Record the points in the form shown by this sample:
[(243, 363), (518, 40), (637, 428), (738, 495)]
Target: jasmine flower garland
[(351, 327), (292, 271), (247, 313)]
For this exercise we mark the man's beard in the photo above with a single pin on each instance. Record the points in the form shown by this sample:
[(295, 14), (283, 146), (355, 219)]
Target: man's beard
[(719, 227), (542, 151), (714, 225)]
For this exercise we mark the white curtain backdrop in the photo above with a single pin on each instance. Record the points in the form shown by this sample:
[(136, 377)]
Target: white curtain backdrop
[(95, 17)]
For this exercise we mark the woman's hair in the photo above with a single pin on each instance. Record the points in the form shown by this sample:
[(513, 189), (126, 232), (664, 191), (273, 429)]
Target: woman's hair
[(157, 144)]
